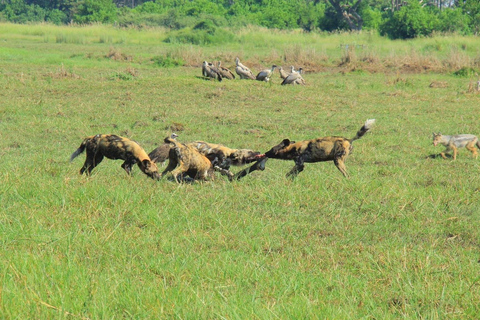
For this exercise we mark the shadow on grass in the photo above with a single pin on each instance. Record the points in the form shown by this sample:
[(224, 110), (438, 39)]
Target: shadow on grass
[(437, 155)]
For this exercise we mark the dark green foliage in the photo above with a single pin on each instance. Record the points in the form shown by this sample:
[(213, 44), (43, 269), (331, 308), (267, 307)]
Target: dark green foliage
[(453, 20), (205, 32), (57, 17), (96, 11), (394, 18), (471, 8), (465, 72), (412, 20), (20, 12), (167, 61)]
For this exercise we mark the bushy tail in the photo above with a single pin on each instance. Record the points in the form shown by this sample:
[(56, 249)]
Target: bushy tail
[(364, 129), (171, 139), (80, 149)]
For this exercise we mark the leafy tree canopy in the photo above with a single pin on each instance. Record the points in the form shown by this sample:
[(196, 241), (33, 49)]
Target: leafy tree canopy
[(394, 18)]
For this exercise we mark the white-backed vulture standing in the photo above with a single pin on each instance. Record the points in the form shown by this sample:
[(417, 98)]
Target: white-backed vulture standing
[(209, 70), (265, 75), (283, 73), (295, 77), (243, 71), (225, 72)]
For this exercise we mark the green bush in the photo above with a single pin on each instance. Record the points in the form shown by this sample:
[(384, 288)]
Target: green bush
[(168, 61), (57, 17), (465, 72), (412, 20), (202, 33), (18, 11), (96, 11), (453, 20)]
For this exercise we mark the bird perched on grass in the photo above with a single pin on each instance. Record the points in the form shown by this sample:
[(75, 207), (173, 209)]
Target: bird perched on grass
[(283, 73), (225, 72), (209, 70), (243, 71), (265, 75), (294, 77)]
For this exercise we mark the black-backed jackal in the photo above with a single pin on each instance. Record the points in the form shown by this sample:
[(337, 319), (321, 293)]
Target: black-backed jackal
[(334, 149), (115, 147), (453, 143)]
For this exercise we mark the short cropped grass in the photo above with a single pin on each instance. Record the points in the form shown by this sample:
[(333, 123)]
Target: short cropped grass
[(398, 239)]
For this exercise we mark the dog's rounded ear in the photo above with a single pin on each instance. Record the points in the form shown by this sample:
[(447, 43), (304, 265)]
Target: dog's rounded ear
[(286, 142), (146, 163)]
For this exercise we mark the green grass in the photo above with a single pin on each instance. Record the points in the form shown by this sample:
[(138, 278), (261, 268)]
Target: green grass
[(398, 239)]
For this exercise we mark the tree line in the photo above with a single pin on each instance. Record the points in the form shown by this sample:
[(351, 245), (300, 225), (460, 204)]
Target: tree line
[(397, 19)]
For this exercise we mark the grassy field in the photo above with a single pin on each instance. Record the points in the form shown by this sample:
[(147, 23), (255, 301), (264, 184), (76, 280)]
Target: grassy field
[(398, 239)]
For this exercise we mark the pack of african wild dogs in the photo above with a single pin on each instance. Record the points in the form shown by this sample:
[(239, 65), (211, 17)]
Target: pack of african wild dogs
[(199, 160)]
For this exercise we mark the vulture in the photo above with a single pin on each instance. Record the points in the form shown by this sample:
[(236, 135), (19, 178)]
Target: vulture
[(283, 73), (243, 71), (265, 75), (225, 72), (295, 77), (209, 70)]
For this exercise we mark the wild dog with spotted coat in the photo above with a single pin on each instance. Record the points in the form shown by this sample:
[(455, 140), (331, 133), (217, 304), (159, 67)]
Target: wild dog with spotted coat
[(220, 156), (185, 160), (333, 148), (115, 147), (223, 157)]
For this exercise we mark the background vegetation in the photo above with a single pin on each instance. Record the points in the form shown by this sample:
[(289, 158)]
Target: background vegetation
[(393, 18), (399, 239)]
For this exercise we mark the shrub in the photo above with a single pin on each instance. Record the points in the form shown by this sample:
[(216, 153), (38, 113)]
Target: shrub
[(465, 72), (57, 17), (18, 11), (412, 20), (202, 33), (168, 61), (453, 20), (96, 11)]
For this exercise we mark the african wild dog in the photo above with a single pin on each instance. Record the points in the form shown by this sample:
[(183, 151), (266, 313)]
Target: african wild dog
[(223, 157), (185, 160), (115, 147), (334, 149), (219, 155), (453, 143)]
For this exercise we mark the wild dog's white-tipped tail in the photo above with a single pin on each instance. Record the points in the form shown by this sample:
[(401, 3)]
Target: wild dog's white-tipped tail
[(364, 129), (369, 123)]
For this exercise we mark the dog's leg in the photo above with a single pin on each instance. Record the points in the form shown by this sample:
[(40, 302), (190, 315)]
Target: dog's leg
[(93, 159), (471, 147), (172, 164), (455, 150), (178, 175), (339, 161), (259, 165), (127, 165), (224, 172), (87, 164), (299, 166)]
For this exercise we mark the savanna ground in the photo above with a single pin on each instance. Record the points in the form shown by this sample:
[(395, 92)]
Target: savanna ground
[(398, 239)]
